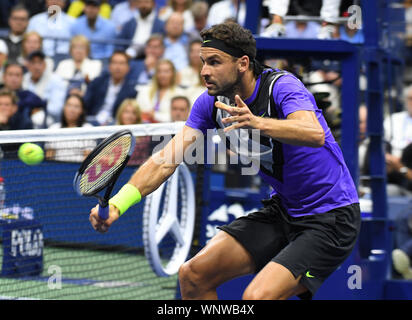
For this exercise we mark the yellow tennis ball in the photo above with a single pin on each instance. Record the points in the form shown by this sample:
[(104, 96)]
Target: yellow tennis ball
[(31, 153)]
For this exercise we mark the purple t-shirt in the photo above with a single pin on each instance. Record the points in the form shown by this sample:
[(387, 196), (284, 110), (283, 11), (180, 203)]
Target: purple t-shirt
[(315, 180)]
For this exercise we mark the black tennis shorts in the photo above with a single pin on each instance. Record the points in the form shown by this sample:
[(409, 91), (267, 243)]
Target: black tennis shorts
[(313, 246)]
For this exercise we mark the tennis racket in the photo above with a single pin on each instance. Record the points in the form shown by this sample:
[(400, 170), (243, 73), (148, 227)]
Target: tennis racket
[(102, 167)]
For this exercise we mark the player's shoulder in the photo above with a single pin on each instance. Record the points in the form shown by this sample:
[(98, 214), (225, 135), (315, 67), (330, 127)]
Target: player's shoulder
[(205, 100), (284, 77), (286, 81)]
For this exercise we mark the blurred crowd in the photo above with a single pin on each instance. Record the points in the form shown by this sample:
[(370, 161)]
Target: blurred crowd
[(108, 51)]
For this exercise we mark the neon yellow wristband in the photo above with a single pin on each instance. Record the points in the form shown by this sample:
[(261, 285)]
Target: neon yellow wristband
[(127, 196)]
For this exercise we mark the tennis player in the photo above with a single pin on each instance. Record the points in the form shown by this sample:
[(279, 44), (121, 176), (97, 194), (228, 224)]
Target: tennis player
[(311, 222)]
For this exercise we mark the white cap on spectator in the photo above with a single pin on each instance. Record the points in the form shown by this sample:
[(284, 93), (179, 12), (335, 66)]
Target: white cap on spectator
[(3, 48)]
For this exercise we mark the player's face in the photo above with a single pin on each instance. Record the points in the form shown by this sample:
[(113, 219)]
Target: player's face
[(220, 72)]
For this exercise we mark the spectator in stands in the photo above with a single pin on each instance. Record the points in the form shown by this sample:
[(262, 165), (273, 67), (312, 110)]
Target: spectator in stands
[(73, 116), (181, 6), (32, 41), (302, 29), (190, 75), (105, 93), (129, 114), (144, 69), (402, 255), (179, 108), (352, 35), (54, 24), (363, 138), (398, 133), (18, 22), (31, 107), (33, 6), (79, 70), (227, 9), (155, 97), (77, 8), (98, 30), (8, 112), (4, 51), (329, 12), (200, 11), (176, 41), (47, 85), (138, 29), (398, 128), (123, 12)]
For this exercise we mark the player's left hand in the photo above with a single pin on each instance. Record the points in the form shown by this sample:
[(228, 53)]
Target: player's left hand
[(241, 116)]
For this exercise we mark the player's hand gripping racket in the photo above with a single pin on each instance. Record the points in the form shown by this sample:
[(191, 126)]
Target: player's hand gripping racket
[(102, 167)]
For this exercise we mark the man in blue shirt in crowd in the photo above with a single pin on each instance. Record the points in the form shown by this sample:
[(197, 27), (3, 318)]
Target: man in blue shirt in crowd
[(52, 25), (98, 30)]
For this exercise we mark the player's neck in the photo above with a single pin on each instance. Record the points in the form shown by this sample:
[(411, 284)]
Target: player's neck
[(246, 86)]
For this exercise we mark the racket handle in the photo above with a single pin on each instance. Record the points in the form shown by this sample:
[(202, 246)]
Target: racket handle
[(103, 210)]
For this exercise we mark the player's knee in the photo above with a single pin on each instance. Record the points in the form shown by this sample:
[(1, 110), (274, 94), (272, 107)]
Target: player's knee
[(190, 278), (252, 294), (261, 294)]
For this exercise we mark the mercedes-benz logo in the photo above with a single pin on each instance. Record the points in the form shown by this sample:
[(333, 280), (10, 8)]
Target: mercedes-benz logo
[(170, 210)]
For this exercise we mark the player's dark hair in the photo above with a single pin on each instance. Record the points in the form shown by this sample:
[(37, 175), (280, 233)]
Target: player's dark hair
[(235, 36)]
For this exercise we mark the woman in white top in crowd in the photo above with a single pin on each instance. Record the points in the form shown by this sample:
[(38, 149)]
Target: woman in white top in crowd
[(155, 97), (73, 116), (79, 69), (181, 6)]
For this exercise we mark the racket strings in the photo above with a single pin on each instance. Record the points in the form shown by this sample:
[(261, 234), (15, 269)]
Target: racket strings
[(105, 165)]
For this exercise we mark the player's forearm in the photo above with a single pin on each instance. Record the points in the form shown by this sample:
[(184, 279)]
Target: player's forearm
[(295, 132), (152, 174)]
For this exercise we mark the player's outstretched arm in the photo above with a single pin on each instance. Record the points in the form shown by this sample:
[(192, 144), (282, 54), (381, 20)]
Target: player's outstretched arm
[(157, 169), (299, 128)]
